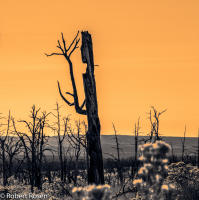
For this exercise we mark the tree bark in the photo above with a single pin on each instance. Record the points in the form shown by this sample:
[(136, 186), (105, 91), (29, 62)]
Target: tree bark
[(95, 168)]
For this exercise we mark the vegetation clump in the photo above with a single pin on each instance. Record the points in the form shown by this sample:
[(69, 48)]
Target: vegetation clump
[(150, 177), (92, 192), (185, 178)]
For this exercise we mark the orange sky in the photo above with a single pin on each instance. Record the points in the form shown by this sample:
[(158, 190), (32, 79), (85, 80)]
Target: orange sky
[(147, 52)]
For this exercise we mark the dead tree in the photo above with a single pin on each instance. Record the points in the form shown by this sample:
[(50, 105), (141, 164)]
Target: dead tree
[(13, 148), (10, 147), (76, 140), (172, 153), (118, 160), (95, 168), (183, 144), (137, 129), (154, 116), (61, 136), (136, 136), (4, 134), (34, 142)]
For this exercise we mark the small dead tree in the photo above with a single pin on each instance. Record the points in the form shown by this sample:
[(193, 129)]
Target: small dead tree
[(136, 137), (95, 168), (61, 138), (137, 129), (13, 149), (35, 144), (172, 152), (77, 141), (4, 134), (118, 159), (183, 143), (10, 147), (154, 116)]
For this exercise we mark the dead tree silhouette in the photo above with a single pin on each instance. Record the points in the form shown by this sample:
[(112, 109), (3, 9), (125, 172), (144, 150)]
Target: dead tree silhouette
[(35, 143), (118, 158), (154, 116), (134, 166), (183, 143), (95, 168), (61, 138), (4, 134)]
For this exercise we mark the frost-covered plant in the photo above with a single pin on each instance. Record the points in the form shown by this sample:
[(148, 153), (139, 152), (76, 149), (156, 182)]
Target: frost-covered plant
[(186, 179), (57, 188), (92, 192), (150, 177)]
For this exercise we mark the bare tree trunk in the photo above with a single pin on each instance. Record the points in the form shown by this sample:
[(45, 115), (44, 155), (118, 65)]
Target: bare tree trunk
[(183, 144), (95, 168), (118, 161), (172, 153), (60, 142), (61, 162), (137, 128), (136, 145), (134, 166), (33, 166)]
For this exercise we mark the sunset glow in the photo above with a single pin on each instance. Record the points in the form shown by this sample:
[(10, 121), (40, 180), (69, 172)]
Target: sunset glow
[(147, 52)]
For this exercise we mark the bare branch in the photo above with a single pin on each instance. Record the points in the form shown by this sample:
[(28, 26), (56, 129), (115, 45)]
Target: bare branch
[(162, 111), (76, 139), (64, 50), (117, 143), (61, 48), (73, 41), (70, 94), (64, 43), (27, 124), (154, 120), (70, 104), (52, 54), (83, 104), (75, 47)]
